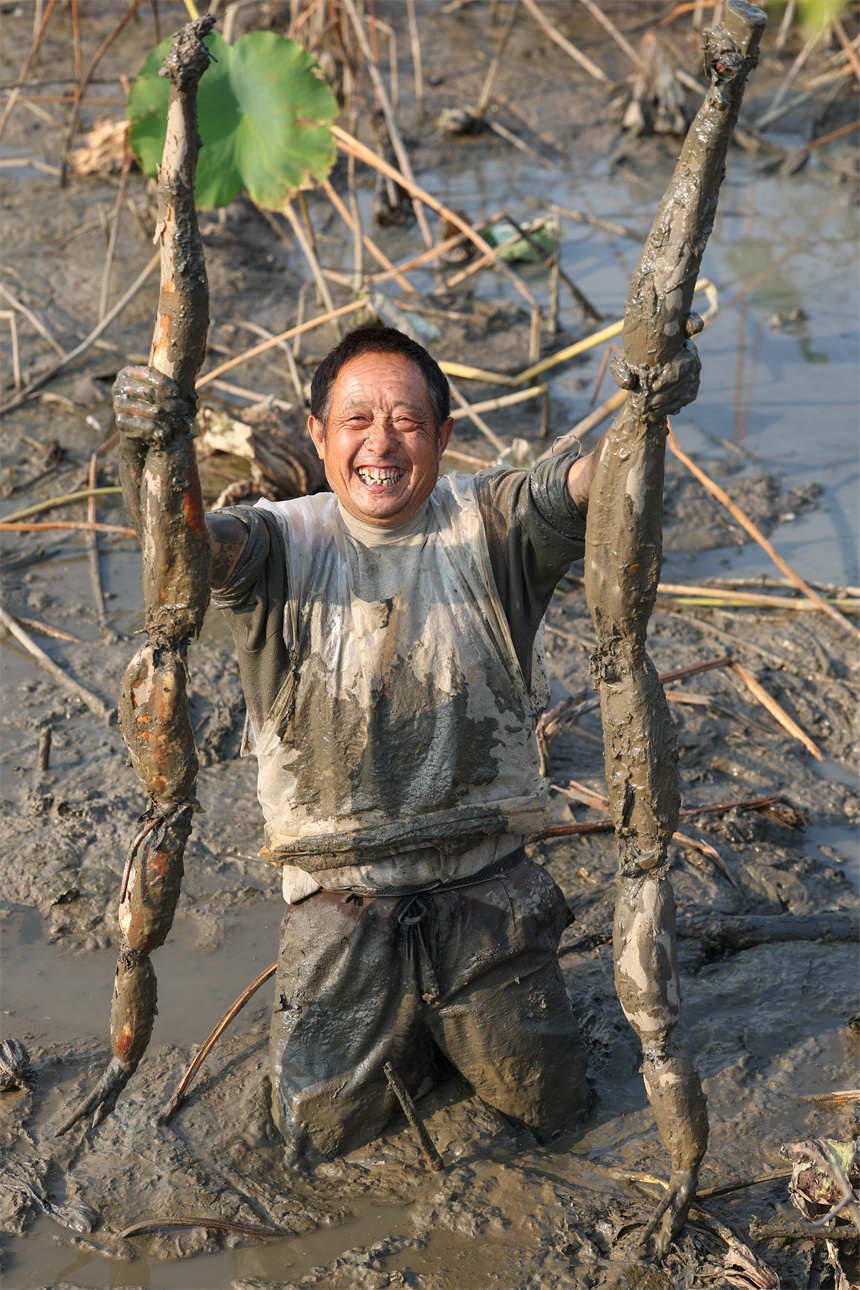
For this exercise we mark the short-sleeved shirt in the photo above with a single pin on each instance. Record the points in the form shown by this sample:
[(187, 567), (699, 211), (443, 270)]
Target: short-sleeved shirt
[(393, 677)]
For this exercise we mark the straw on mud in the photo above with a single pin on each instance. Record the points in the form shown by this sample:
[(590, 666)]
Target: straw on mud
[(495, 63), (56, 633), (755, 532), (313, 263), (594, 799), (717, 808), (829, 137), (581, 299), (504, 401), (623, 43), (379, 256), (367, 155), (426, 1143), (84, 81), (92, 541), (297, 330), (9, 316), (415, 44), (22, 75), (476, 419), (584, 427), (215, 1224), (582, 217), (43, 756), (114, 232), (32, 320), (393, 131), (66, 500), (285, 350), (760, 599), (466, 372), (739, 1184), (850, 51), (96, 705), (774, 708), (6, 527), (425, 257), (563, 43), (470, 269), (182, 1091), (87, 341), (788, 80)]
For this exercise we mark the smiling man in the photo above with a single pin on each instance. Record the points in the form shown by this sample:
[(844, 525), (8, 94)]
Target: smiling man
[(390, 652)]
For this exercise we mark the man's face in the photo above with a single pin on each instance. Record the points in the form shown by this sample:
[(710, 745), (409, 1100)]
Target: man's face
[(380, 447)]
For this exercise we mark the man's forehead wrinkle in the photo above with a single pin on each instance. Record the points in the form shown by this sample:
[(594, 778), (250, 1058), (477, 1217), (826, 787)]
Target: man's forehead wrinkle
[(359, 400)]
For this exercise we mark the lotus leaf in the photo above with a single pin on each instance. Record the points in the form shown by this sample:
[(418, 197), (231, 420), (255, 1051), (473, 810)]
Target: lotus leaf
[(264, 110)]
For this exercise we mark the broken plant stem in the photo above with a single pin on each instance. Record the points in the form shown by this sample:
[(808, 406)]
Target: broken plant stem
[(236, 1007), (28, 61), (470, 412), (96, 705), (313, 263), (767, 701), (415, 44), (87, 341), (379, 256), (114, 232), (400, 1091), (6, 527), (265, 345), (393, 130), (606, 22), (84, 81), (492, 70), (563, 43), (65, 500), (755, 532), (367, 155)]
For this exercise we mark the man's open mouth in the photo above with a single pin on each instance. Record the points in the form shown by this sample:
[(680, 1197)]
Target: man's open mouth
[(380, 478)]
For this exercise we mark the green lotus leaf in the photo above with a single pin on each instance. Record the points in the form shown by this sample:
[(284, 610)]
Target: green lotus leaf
[(264, 111)]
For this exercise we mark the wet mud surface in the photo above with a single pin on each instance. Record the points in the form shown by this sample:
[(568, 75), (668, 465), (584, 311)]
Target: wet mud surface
[(772, 1025)]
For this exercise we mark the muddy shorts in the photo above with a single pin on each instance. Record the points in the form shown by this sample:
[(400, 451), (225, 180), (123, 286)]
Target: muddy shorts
[(470, 973)]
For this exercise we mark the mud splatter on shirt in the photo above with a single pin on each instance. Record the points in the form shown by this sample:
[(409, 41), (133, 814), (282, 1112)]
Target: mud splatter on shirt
[(394, 677)]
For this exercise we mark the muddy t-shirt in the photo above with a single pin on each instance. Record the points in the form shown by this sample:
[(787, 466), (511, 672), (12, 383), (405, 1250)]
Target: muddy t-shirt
[(393, 677)]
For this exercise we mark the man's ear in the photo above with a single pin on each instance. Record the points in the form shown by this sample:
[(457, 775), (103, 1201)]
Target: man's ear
[(445, 434), (316, 430)]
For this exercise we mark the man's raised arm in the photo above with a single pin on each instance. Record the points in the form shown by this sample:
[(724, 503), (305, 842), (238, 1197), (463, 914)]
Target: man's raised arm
[(148, 408)]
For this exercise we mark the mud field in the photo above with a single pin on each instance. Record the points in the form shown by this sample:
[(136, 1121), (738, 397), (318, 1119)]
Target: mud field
[(767, 930)]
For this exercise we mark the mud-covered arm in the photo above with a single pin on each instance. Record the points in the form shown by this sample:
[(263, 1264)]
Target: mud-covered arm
[(534, 532)]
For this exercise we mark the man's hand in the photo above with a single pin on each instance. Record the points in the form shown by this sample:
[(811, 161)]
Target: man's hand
[(149, 410), (148, 405), (666, 390)]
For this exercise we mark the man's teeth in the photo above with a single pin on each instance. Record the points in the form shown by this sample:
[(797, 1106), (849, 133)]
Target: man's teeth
[(376, 475)]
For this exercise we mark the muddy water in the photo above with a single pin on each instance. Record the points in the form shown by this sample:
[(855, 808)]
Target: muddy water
[(768, 1024)]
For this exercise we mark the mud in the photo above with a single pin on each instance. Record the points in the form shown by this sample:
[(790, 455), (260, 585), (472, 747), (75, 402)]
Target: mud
[(769, 1024)]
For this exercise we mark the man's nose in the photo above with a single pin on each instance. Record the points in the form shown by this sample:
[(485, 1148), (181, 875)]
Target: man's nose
[(382, 436)]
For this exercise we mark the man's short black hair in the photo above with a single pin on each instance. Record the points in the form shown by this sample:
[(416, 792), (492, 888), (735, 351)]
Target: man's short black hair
[(379, 340)]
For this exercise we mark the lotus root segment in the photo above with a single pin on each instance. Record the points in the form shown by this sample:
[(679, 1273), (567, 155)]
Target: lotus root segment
[(133, 1009), (155, 883), (156, 725), (177, 555)]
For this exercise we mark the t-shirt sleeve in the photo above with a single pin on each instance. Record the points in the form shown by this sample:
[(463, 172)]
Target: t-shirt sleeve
[(534, 532), (252, 601)]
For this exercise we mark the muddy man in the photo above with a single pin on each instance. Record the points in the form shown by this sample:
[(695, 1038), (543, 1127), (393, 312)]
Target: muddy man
[(390, 645)]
